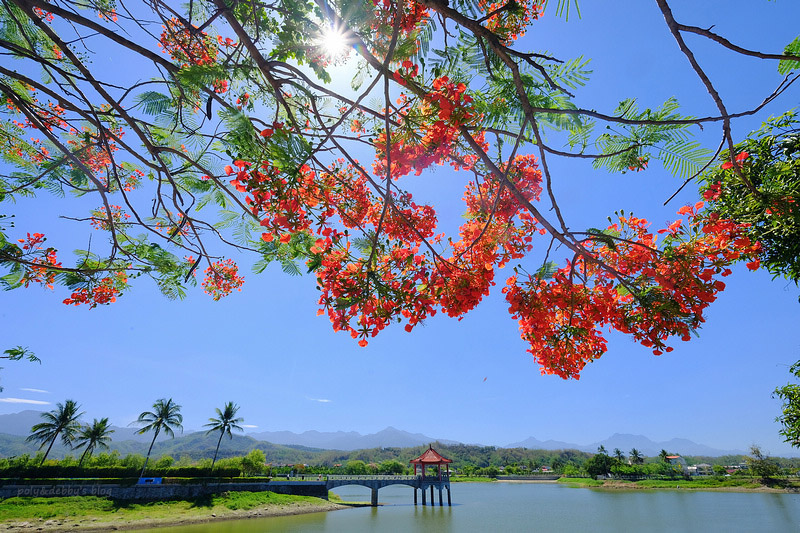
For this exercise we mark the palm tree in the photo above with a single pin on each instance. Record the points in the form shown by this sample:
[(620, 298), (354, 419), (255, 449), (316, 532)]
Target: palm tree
[(98, 434), (61, 421), (165, 415), (636, 457), (618, 455), (226, 421)]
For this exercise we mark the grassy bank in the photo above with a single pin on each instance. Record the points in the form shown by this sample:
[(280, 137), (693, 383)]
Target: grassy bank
[(580, 482), (92, 512), (725, 483), (471, 479)]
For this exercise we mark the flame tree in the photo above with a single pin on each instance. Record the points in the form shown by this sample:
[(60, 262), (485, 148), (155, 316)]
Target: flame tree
[(216, 127)]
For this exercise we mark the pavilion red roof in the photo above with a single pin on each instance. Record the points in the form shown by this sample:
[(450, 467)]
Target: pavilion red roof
[(430, 456)]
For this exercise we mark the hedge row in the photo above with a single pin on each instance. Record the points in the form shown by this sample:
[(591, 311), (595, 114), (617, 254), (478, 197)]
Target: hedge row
[(58, 471)]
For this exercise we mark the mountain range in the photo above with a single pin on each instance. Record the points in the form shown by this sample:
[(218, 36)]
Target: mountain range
[(350, 440), (626, 442), (15, 427)]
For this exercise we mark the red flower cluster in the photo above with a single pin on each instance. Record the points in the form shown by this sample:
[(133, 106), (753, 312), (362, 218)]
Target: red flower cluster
[(42, 14), (222, 277), (189, 46), (107, 15), (403, 284), (96, 154), (640, 164), (40, 261), (647, 292), (103, 292), (412, 15), (444, 110), (510, 20), (100, 218), (741, 157), (499, 229), (50, 115), (713, 192)]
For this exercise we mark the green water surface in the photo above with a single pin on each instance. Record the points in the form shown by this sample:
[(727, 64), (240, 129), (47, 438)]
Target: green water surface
[(507, 507)]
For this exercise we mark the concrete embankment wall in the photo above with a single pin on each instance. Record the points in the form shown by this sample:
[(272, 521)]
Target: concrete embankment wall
[(163, 492), (544, 477)]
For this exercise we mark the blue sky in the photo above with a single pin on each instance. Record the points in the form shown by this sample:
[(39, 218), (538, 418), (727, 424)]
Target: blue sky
[(472, 381)]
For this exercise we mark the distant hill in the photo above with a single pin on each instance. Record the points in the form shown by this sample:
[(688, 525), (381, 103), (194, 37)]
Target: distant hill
[(532, 443), (626, 442), (196, 446), (285, 446), (15, 428), (350, 440), (20, 423)]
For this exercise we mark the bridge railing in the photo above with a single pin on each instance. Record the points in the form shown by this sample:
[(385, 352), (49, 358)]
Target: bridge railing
[(435, 478), (361, 478)]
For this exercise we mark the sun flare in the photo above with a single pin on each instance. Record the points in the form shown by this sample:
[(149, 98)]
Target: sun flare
[(333, 42)]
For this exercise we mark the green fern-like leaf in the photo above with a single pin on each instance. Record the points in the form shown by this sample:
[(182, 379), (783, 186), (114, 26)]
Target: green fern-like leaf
[(12, 280), (603, 236), (547, 270), (573, 73), (786, 66), (290, 267), (563, 8), (228, 219), (683, 159), (154, 103), (171, 289)]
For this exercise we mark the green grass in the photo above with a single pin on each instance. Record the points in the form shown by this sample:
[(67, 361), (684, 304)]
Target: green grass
[(702, 483), (77, 507), (580, 482), (471, 479)]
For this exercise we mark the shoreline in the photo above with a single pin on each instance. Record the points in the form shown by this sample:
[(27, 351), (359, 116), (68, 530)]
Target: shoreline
[(614, 485), (526, 481), (98, 523)]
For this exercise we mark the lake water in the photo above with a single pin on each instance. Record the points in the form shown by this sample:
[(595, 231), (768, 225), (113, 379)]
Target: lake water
[(545, 507)]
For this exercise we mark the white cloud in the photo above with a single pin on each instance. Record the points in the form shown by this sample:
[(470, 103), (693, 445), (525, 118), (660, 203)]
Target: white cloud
[(23, 400), (320, 400), (36, 390), (248, 426)]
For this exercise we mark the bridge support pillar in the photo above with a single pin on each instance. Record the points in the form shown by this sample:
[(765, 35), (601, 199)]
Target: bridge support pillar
[(433, 500), (415, 495), (374, 497), (423, 496), (449, 503), (440, 496)]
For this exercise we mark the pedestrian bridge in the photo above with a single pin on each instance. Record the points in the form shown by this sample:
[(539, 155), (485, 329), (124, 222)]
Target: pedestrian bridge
[(374, 483)]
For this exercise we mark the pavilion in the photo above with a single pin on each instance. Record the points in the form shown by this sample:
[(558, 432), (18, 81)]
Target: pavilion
[(429, 458)]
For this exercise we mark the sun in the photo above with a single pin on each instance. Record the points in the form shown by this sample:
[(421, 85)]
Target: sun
[(334, 43)]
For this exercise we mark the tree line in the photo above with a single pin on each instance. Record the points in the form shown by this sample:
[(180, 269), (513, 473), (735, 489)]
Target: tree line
[(566, 463), (64, 423)]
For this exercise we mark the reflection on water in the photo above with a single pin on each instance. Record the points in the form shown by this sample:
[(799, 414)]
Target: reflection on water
[(508, 507)]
